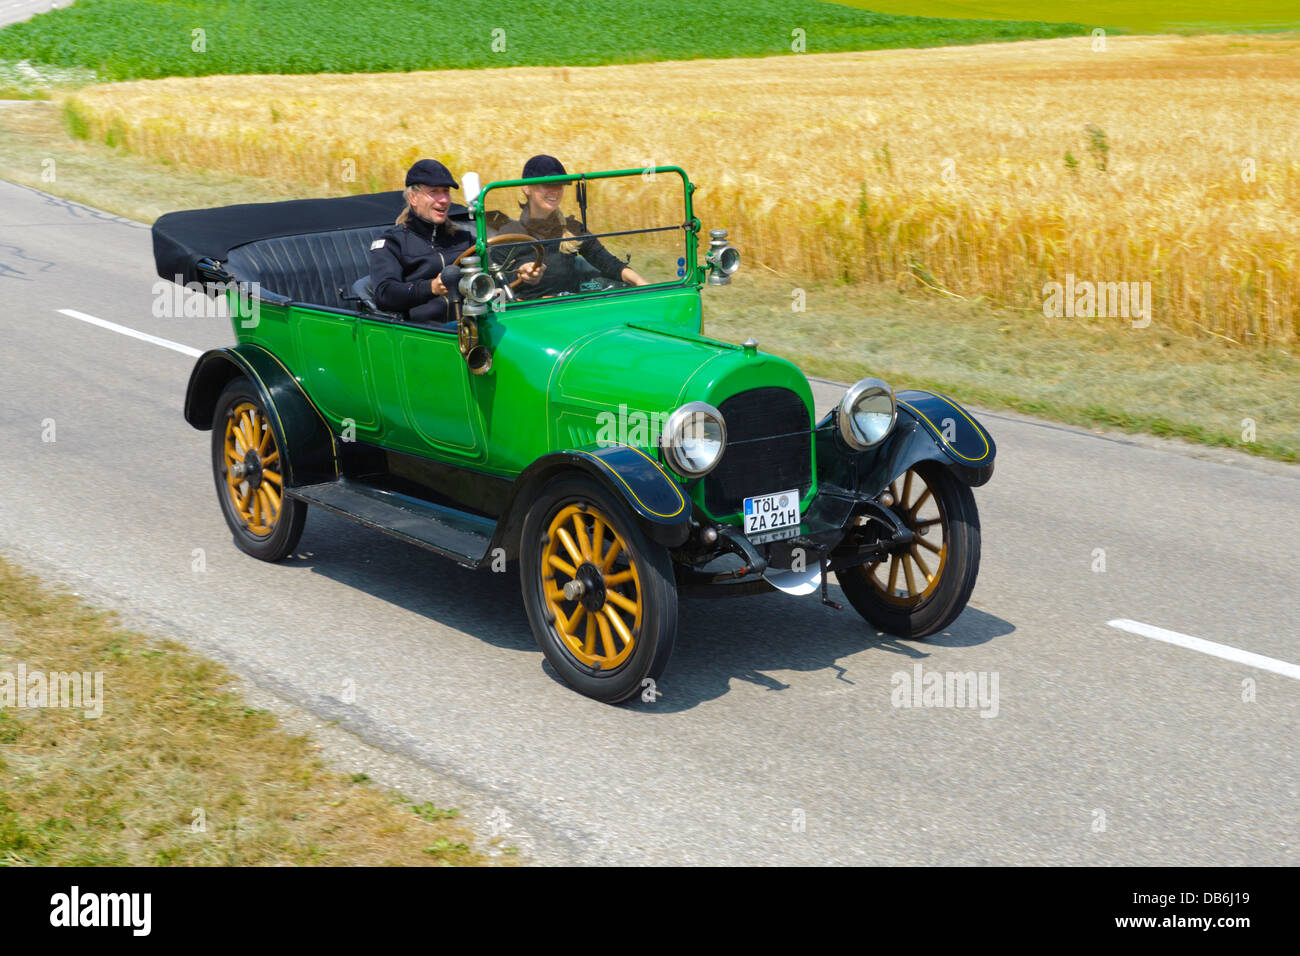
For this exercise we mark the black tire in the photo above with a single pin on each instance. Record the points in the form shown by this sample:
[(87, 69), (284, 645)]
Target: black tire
[(605, 667), (873, 590), (266, 524)]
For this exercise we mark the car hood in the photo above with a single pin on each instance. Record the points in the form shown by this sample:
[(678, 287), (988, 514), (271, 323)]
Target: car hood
[(638, 370)]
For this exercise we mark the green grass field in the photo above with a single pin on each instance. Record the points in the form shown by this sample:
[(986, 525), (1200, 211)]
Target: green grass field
[(1142, 16), (135, 39)]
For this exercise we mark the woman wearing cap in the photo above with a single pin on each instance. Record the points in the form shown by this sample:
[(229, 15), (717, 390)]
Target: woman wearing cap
[(540, 217), (406, 262)]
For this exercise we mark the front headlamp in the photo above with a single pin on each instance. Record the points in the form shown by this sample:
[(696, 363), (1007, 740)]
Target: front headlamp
[(693, 439), (867, 414)]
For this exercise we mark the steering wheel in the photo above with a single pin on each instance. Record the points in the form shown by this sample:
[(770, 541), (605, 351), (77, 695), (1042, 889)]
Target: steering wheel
[(499, 271)]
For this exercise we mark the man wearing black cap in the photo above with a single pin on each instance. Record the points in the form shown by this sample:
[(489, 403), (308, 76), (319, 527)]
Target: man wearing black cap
[(407, 260), (571, 254)]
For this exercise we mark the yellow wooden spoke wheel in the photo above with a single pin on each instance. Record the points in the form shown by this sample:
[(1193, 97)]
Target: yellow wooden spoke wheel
[(251, 473), (253, 478), (601, 595), (591, 586)]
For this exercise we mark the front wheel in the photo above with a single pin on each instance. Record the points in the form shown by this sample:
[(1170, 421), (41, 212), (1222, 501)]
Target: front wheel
[(600, 595), (249, 472), (920, 589)]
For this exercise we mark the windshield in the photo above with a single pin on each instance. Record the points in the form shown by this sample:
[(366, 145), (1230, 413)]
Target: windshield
[(594, 235)]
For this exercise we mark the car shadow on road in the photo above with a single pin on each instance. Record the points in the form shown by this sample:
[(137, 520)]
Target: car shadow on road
[(754, 639), (483, 603), (749, 639)]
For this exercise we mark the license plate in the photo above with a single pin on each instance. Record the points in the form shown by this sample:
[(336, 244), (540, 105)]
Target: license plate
[(770, 512)]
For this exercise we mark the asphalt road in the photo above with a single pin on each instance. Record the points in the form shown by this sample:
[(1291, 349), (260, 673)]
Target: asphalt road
[(775, 740)]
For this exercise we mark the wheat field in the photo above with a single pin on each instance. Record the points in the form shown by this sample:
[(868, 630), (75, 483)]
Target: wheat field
[(979, 172)]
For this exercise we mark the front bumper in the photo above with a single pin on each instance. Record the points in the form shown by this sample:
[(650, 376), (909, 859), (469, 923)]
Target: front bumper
[(840, 529)]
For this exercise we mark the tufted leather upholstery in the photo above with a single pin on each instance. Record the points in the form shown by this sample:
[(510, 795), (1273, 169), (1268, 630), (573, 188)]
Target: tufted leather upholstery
[(309, 268)]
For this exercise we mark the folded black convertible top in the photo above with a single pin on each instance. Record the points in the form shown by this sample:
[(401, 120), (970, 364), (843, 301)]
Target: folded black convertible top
[(181, 240)]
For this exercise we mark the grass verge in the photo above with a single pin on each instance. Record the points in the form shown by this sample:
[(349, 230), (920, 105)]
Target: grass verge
[(176, 769), (1136, 379)]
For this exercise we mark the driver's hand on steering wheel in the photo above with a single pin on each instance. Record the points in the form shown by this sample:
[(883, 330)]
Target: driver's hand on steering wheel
[(531, 272)]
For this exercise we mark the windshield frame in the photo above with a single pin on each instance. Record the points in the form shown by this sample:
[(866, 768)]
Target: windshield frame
[(690, 225)]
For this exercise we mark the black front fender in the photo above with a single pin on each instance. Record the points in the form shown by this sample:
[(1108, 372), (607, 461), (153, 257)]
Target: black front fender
[(650, 493), (306, 442), (930, 427)]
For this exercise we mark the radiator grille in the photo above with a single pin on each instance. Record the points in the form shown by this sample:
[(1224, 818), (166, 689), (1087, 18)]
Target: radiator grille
[(769, 449)]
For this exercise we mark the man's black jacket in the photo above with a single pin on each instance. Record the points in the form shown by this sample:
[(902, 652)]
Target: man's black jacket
[(405, 260)]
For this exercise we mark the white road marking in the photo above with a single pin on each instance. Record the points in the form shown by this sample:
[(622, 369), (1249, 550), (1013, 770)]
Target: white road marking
[(1209, 647), (143, 336)]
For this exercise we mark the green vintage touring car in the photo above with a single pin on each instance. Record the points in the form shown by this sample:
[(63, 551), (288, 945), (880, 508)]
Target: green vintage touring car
[(592, 435)]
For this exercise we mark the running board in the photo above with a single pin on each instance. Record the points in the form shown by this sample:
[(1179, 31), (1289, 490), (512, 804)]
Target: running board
[(465, 538)]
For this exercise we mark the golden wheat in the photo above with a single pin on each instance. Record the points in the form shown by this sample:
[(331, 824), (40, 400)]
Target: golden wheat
[(942, 169)]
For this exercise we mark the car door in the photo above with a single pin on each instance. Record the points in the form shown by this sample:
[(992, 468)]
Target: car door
[(424, 394), (333, 369)]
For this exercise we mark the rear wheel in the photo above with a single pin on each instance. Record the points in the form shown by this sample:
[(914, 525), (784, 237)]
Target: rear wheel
[(600, 595), (921, 589), (248, 466)]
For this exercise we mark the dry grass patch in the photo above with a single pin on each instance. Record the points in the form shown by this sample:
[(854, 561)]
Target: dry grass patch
[(175, 738), (985, 171)]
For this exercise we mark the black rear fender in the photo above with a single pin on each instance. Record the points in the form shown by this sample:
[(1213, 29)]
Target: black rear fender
[(307, 444)]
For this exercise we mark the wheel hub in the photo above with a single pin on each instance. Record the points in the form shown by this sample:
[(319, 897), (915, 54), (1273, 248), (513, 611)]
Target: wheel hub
[(910, 570), (250, 469), (592, 592)]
